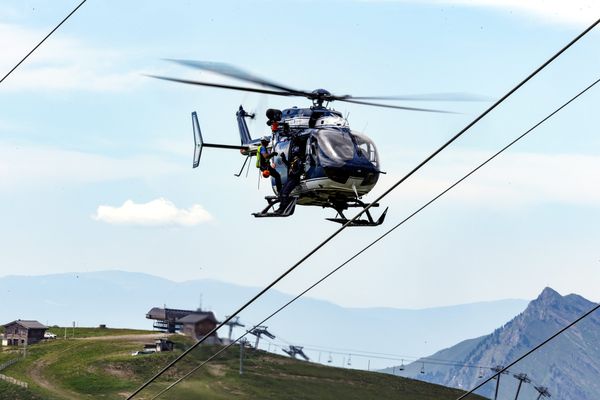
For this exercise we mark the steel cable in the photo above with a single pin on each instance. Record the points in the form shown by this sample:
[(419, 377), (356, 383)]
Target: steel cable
[(530, 352), (383, 236), (349, 222), (42, 41)]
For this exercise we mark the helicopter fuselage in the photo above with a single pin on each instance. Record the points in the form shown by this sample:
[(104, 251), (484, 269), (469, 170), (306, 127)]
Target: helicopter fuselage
[(340, 165)]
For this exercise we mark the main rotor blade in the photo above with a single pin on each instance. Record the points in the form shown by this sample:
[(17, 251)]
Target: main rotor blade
[(424, 97), (232, 87), (234, 72), (366, 103)]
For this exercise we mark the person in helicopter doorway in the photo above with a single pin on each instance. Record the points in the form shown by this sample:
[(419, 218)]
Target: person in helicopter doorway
[(295, 170), (263, 157)]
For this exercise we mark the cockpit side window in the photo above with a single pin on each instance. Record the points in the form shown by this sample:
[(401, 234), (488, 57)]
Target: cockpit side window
[(366, 148)]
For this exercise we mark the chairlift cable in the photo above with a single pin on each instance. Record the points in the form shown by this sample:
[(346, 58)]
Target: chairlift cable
[(380, 238), (42, 41), (386, 356), (359, 214)]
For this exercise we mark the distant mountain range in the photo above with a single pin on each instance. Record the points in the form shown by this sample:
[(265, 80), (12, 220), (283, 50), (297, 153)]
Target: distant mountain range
[(569, 366), (121, 299)]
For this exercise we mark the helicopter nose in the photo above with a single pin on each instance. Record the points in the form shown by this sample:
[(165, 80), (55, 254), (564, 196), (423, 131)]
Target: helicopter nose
[(369, 175)]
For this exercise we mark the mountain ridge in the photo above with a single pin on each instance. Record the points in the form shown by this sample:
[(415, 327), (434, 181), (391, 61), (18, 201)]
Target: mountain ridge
[(121, 299), (568, 365)]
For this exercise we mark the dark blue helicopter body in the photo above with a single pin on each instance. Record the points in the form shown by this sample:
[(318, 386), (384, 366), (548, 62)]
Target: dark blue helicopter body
[(340, 166)]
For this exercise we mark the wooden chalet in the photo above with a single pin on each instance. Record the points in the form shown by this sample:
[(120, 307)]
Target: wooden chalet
[(199, 324), (19, 332), (196, 324)]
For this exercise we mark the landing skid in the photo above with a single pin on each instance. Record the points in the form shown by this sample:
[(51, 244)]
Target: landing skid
[(272, 201), (369, 221)]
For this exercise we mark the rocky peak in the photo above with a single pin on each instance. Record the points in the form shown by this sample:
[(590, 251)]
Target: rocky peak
[(549, 296)]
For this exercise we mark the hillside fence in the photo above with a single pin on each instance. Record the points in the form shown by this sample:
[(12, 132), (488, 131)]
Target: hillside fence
[(8, 378), (13, 381), (8, 363)]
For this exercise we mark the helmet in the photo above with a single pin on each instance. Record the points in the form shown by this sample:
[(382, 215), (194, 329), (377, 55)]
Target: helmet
[(265, 139), (266, 173)]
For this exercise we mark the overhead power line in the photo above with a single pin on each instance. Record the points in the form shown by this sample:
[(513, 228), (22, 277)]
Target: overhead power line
[(380, 238), (42, 41), (358, 215)]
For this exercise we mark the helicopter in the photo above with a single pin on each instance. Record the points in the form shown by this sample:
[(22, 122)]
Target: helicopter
[(340, 165)]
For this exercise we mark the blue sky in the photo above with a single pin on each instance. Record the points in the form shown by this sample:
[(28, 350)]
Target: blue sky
[(84, 133)]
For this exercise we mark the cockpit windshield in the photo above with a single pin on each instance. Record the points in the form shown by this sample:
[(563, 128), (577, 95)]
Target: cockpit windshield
[(335, 145)]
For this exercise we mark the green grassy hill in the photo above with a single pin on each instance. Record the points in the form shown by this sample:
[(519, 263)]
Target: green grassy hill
[(97, 364)]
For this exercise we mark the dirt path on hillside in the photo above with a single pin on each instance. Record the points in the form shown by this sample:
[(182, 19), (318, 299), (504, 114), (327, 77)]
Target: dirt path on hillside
[(37, 371), (36, 374), (133, 338)]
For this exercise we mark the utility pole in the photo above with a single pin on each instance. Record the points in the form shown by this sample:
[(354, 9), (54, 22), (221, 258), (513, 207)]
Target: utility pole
[(543, 392), (242, 344), (258, 331), (234, 322), (522, 378), (497, 369), (296, 350)]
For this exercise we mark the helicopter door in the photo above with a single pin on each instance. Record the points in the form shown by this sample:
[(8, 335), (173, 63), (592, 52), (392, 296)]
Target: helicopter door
[(311, 152)]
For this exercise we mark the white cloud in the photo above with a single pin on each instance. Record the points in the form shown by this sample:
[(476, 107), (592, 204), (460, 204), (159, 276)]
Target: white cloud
[(159, 212), (60, 63), (512, 180)]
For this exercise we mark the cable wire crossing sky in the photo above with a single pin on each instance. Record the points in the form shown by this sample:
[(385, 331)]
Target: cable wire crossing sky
[(95, 157)]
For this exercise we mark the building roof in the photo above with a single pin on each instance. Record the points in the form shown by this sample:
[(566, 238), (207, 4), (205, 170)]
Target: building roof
[(197, 316), (167, 314), (28, 324)]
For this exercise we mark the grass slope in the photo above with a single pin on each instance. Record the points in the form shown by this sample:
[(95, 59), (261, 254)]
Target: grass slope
[(99, 365)]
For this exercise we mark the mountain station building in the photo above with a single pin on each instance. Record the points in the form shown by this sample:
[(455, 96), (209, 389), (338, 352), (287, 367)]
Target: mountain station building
[(196, 324), (19, 332)]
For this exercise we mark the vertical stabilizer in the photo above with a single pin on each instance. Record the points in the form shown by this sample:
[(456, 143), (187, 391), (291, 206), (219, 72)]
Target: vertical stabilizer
[(198, 143), (243, 127)]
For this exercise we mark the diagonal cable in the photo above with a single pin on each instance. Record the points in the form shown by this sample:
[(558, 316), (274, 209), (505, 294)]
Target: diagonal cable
[(383, 236), (43, 40), (530, 351), (351, 221)]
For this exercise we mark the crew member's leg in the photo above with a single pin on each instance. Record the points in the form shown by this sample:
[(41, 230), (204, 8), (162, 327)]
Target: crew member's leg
[(277, 178)]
